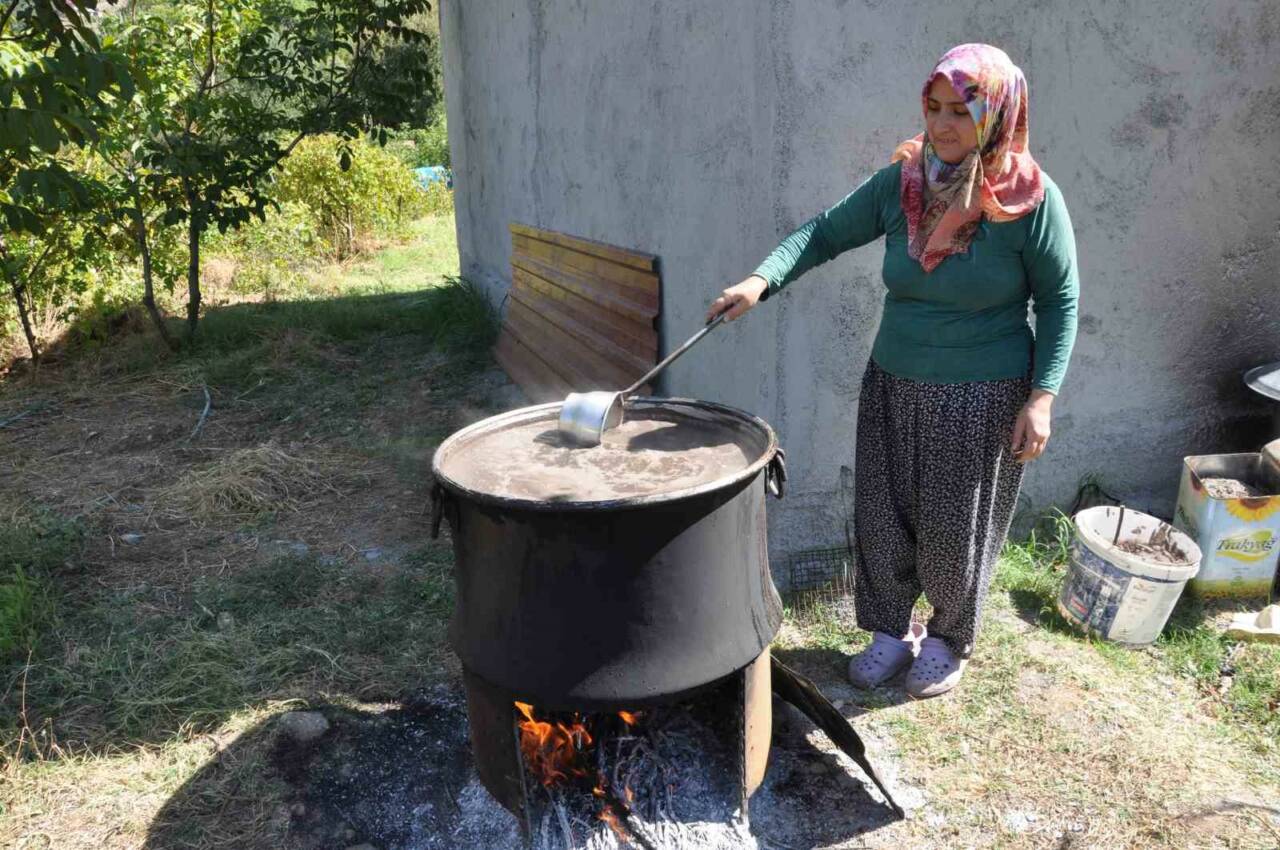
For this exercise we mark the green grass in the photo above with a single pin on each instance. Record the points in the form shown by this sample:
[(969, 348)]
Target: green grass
[(245, 345), (136, 661), (24, 606), (342, 311), (1117, 742), (429, 256), (144, 671), (33, 543), (1031, 574)]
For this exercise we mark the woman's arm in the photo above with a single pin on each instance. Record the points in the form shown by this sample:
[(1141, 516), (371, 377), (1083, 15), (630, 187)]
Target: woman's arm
[(855, 220), (1049, 257)]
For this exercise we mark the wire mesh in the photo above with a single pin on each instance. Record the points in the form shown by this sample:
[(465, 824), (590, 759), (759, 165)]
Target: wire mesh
[(818, 576)]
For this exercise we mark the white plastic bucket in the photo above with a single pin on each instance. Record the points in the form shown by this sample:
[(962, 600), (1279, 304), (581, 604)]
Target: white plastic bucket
[(1117, 595)]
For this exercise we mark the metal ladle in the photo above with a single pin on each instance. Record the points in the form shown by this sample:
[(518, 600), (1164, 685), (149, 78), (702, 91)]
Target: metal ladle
[(584, 417)]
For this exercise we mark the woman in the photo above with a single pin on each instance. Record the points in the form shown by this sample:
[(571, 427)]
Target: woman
[(958, 393)]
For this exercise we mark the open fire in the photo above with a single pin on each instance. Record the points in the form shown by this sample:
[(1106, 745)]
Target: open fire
[(557, 753), (553, 750)]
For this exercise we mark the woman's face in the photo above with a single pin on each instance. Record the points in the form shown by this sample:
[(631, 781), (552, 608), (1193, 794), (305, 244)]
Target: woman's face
[(948, 123)]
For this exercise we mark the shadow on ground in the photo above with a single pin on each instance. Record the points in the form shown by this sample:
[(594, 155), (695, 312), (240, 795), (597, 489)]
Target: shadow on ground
[(402, 779), (333, 777), (826, 668)]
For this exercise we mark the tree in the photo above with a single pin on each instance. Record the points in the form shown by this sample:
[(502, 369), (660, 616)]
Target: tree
[(58, 83), (400, 64), (263, 75), (133, 195)]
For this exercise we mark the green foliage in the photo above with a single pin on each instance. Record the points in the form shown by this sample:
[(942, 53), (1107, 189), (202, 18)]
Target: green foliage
[(374, 194), (427, 145), (132, 135), (272, 256), (24, 605), (243, 83), (59, 82), (415, 67), (433, 144), (32, 544), (437, 199)]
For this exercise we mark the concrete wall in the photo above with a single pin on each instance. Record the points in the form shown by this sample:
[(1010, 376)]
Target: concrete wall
[(704, 132)]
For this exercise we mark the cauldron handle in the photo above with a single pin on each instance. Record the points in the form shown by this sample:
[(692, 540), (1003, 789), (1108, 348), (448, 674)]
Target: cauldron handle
[(438, 497), (775, 474)]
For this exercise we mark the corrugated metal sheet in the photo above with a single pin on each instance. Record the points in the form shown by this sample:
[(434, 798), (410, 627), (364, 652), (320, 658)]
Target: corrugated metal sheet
[(582, 315)]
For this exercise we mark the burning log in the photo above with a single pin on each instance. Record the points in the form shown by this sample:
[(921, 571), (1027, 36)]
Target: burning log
[(617, 814)]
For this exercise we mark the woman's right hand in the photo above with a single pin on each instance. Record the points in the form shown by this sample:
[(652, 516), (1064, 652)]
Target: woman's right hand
[(738, 299)]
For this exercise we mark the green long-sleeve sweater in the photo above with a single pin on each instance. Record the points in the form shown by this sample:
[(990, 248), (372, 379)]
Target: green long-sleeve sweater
[(967, 319)]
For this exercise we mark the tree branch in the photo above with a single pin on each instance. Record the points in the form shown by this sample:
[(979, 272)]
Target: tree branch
[(8, 13)]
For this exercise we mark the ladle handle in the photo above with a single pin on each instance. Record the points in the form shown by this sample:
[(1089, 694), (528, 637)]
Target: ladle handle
[(670, 358)]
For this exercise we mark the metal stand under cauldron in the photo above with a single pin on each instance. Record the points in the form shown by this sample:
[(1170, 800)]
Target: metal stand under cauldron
[(606, 601)]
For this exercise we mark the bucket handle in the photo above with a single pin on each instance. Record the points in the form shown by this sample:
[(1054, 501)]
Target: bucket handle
[(775, 474)]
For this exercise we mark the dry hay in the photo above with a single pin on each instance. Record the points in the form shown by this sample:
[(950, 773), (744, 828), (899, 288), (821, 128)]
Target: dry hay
[(252, 481)]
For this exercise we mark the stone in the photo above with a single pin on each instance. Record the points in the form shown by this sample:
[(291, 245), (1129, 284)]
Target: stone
[(131, 538), (1020, 821), (302, 727)]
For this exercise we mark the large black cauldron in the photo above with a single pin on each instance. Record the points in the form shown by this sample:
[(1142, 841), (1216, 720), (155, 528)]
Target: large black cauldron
[(593, 597)]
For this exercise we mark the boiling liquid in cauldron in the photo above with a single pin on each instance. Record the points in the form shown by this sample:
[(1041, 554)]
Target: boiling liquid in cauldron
[(646, 455)]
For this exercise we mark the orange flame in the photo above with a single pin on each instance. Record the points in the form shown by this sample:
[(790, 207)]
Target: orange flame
[(607, 815), (551, 750), (629, 717)]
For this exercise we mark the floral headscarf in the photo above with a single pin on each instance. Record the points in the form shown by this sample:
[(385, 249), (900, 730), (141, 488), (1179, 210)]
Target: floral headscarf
[(944, 203)]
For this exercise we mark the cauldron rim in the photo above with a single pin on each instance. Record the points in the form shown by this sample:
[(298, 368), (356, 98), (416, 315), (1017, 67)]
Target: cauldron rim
[(532, 411)]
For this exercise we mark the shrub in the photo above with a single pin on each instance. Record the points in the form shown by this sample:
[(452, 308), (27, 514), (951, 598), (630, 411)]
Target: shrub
[(376, 195), (418, 146), (437, 199), (433, 141), (269, 257)]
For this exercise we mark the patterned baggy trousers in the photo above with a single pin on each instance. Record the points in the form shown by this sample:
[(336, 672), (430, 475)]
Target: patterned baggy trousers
[(935, 486)]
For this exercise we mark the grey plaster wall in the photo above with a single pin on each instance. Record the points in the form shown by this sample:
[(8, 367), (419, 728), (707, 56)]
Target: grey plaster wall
[(704, 132)]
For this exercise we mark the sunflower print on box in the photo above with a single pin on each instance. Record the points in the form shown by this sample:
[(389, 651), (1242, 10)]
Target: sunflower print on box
[(1240, 537), (1253, 509)]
